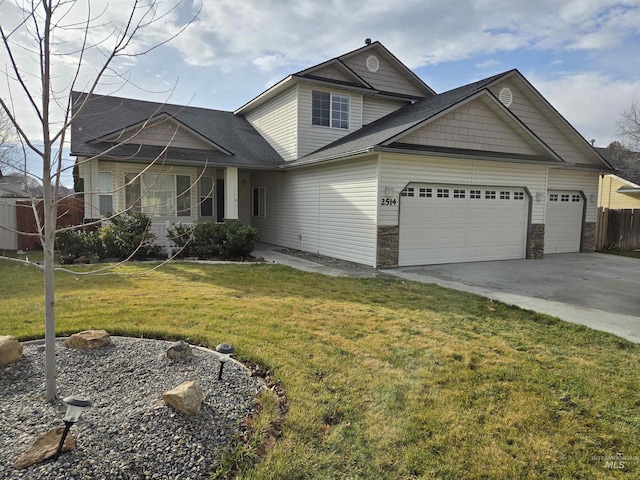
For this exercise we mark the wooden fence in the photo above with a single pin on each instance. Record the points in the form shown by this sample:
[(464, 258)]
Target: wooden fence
[(618, 228), (70, 212)]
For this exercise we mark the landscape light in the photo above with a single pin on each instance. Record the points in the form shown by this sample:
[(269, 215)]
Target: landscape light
[(225, 350), (75, 406)]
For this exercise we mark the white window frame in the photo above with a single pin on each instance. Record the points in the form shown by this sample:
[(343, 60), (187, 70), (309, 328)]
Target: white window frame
[(167, 201), (105, 192), (341, 99)]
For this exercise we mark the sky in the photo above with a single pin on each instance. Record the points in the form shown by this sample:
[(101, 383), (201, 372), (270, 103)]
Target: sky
[(583, 56)]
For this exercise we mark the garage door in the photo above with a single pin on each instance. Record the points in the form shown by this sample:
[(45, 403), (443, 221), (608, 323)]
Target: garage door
[(563, 221), (462, 223)]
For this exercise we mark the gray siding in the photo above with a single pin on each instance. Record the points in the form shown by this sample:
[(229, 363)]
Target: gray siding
[(277, 122), (398, 170), (472, 126), (8, 236), (375, 108), (312, 137), (388, 78), (334, 73), (167, 133), (531, 113), (329, 209)]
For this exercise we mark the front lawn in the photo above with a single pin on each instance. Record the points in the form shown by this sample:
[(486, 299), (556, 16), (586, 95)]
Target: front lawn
[(386, 379)]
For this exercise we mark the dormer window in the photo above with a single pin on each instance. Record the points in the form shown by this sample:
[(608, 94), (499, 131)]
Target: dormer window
[(330, 109)]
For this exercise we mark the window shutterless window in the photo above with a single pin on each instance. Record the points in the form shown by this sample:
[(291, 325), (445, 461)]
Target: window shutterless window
[(206, 197), (259, 202), (105, 190), (158, 195), (330, 109)]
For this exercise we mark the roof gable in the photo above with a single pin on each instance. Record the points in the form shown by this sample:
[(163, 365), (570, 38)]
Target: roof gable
[(546, 122), (162, 130), (232, 138), (388, 73), (478, 123)]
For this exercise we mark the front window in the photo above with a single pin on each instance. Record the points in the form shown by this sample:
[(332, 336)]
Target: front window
[(206, 197), (259, 202), (330, 109), (105, 190), (159, 195)]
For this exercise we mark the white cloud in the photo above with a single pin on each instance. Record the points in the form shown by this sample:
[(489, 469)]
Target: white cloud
[(487, 64), (591, 101)]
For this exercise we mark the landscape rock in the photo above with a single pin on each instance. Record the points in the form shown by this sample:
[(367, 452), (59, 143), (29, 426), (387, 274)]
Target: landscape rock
[(88, 339), (186, 397), (179, 351), (44, 447), (10, 350)]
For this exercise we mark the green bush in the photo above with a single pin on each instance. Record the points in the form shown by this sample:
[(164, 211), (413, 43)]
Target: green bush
[(77, 243), (209, 239), (239, 240), (127, 235)]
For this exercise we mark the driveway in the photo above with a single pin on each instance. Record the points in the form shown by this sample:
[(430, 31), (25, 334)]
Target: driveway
[(593, 289)]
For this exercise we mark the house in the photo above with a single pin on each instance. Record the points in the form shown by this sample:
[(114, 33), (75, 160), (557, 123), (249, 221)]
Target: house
[(355, 158), (620, 190)]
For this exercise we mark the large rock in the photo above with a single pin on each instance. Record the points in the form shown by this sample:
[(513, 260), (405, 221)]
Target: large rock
[(10, 350), (186, 397), (88, 339), (179, 351), (44, 447)]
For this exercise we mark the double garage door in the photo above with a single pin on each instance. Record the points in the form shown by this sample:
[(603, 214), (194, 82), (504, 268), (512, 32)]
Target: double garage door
[(465, 223), (461, 223)]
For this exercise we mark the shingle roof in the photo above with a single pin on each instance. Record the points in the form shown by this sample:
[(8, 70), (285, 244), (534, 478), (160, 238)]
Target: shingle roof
[(104, 115), (626, 162), (395, 123)]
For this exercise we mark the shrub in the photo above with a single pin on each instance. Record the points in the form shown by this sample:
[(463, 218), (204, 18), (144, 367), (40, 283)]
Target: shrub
[(127, 235), (239, 241), (79, 242), (209, 239)]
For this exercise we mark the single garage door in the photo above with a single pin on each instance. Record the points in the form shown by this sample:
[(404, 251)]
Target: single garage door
[(563, 221), (461, 223)]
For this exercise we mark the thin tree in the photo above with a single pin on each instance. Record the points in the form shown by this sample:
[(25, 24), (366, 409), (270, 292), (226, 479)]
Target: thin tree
[(41, 37), (629, 125)]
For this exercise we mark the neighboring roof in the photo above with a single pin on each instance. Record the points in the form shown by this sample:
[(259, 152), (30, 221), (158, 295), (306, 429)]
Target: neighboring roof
[(13, 190), (106, 115), (357, 81), (619, 158)]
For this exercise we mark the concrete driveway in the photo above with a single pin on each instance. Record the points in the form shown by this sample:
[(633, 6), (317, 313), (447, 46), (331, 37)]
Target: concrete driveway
[(593, 289)]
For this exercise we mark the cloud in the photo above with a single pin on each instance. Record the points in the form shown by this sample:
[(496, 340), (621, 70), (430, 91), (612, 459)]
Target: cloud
[(487, 64), (597, 117)]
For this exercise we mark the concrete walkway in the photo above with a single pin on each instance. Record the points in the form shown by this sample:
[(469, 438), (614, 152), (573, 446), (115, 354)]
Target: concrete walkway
[(596, 290)]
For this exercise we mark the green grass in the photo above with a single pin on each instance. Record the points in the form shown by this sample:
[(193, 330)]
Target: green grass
[(622, 253), (385, 378)]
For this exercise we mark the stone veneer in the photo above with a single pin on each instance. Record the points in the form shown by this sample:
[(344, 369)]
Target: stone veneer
[(388, 245), (536, 241), (588, 242)]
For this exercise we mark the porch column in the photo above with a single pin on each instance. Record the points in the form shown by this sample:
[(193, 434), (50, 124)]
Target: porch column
[(231, 193)]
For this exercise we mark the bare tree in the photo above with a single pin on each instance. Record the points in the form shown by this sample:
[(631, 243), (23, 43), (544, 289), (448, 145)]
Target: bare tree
[(46, 34), (629, 125)]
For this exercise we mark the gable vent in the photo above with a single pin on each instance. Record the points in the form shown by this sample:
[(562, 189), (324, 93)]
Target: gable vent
[(372, 63), (505, 96)]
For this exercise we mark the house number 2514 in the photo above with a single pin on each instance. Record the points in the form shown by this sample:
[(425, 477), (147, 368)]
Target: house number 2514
[(388, 201)]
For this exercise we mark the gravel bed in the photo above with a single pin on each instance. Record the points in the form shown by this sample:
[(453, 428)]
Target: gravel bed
[(128, 433), (344, 265)]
